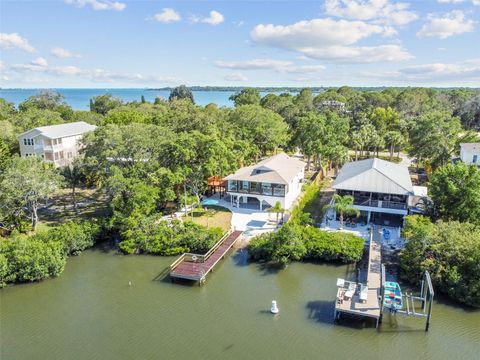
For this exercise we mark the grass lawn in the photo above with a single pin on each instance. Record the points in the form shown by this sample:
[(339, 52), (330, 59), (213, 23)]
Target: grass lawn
[(215, 216)]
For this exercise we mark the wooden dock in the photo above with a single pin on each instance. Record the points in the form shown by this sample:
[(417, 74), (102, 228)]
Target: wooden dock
[(371, 306), (196, 267)]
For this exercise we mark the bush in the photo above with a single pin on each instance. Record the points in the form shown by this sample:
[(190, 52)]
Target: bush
[(33, 258), (333, 246), (450, 251), (151, 235), (294, 242), (75, 237), (30, 259)]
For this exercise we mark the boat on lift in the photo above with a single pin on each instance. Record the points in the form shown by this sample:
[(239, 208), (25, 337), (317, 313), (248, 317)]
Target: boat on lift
[(392, 298)]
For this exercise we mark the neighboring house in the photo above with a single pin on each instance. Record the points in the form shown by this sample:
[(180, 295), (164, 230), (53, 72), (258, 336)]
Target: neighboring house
[(470, 153), (278, 178), (333, 105), (58, 144), (382, 190)]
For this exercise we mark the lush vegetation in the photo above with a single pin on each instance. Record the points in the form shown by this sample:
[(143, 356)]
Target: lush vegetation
[(455, 191), (152, 236), (31, 258), (149, 157), (450, 251), (294, 242)]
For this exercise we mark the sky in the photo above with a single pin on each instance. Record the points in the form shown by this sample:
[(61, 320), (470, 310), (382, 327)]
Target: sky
[(121, 43)]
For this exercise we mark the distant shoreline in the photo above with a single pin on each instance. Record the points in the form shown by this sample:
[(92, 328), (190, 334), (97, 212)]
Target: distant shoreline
[(240, 88)]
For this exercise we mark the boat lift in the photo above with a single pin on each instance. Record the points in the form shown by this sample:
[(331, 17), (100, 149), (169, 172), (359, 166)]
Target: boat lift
[(426, 296)]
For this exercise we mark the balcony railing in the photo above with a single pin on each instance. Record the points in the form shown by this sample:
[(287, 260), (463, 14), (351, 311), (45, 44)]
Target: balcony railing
[(379, 203), (256, 188)]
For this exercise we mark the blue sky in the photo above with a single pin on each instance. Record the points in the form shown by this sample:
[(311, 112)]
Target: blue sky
[(121, 43)]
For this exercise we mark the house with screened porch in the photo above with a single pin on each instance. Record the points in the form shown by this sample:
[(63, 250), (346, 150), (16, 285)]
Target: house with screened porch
[(260, 186)]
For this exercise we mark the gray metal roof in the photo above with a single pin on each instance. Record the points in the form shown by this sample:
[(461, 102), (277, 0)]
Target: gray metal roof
[(374, 175), (278, 169), (61, 130)]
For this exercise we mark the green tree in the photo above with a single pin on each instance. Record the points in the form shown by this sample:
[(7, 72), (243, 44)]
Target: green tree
[(73, 177), (24, 184), (277, 209), (181, 92), (142, 100), (33, 117), (343, 205), (48, 100), (261, 127), (434, 137), (393, 139), (102, 104), (4, 155), (309, 135), (248, 96), (450, 251), (455, 191)]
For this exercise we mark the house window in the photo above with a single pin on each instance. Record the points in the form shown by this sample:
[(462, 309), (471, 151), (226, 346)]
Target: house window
[(69, 155), (27, 141), (232, 185), (56, 156), (475, 158), (245, 185), (267, 189)]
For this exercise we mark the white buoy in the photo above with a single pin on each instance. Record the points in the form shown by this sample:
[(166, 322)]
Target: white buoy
[(274, 309)]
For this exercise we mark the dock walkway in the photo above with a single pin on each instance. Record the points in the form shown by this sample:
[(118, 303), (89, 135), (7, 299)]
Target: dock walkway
[(196, 267), (371, 306)]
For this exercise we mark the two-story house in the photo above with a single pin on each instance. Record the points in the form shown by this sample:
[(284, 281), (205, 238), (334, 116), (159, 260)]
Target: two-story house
[(278, 178), (58, 144), (470, 153), (381, 190)]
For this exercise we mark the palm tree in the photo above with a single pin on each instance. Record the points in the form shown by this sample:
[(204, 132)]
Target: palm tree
[(73, 177), (343, 205), (277, 209)]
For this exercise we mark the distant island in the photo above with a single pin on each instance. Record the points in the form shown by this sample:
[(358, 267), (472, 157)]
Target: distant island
[(289, 89)]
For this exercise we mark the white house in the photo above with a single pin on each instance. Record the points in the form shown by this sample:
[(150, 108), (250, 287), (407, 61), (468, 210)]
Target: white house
[(278, 178), (58, 144), (470, 153), (381, 190)]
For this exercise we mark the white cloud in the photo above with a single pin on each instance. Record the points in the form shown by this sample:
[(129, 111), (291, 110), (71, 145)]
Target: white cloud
[(214, 18), (62, 53), (40, 62), (379, 11), (465, 72), (474, 2), (14, 41), (329, 39), (41, 66), (446, 25), (98, 4), (255, 64), (167, 15), (280, 66), (235, 77)]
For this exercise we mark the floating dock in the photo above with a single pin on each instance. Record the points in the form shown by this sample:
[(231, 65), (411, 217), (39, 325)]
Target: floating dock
[(359, 299), (196, 267)]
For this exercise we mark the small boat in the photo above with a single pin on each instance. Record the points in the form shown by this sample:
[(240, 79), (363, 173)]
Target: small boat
[(392, 298)]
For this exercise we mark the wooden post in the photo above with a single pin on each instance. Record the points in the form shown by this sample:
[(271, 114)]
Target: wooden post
[(427, 325)]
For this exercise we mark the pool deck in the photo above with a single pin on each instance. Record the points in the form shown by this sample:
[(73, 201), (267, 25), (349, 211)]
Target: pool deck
[(371, 307)]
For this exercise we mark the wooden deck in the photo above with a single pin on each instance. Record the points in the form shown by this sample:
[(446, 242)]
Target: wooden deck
[(372, 306), (196, 267)]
